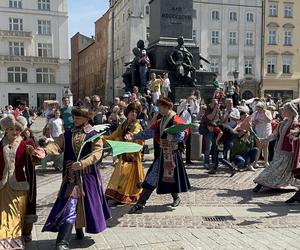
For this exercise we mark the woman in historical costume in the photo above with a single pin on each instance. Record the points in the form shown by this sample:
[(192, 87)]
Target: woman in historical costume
[(17, 183), (167, 173), (81, 198), (278, 175), (125, 183)]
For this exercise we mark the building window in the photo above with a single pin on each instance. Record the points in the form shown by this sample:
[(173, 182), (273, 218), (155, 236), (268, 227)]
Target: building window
[(249, 39), (288, 38), (41, 97), (148, 33), (147, 10), (272, 37), (273, 9), (45, 49), (17, 74), (232, 64), (45, 75), (232, 38), (271, 67), (194, 13), (15, 24), (233, 16), (44, 27), (16, 48), (44, 4), (215, 37), (250, 17), (215, 15), (288, 11), (248, 67), (15, 4), (195, 35), (215, 65), (287, 65)]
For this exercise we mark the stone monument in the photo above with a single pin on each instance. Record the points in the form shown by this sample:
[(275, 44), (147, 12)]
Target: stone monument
[(172, 49)]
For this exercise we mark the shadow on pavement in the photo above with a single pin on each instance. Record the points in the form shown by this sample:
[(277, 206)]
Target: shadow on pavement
[(50, 244)]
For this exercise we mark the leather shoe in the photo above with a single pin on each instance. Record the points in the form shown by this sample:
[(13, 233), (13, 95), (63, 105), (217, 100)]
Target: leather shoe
[(257, 188), (176, 202), (62, 247), (293, 199), (136, 208), (79, 234)]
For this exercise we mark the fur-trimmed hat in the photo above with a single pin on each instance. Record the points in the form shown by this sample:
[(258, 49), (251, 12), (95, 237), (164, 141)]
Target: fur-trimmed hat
[(133, 106), (82, 111), (164, 101), (10, 121)]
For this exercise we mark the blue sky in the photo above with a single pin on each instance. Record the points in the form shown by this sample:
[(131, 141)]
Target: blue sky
[(83, 14)]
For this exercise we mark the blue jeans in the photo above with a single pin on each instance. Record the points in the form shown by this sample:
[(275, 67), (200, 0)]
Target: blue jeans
[(208, 144), (242, 161)]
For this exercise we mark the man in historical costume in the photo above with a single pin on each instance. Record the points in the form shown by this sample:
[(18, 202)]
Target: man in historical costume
[(81, 198), (167, 173), (17, 183), (125, 183)]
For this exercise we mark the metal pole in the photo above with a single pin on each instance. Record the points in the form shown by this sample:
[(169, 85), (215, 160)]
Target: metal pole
[(262, 66)]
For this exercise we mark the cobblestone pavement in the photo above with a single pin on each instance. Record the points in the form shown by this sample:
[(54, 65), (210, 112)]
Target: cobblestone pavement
[(220, 212)]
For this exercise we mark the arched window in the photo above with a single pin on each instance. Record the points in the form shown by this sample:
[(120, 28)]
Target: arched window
[(45, 75), (17, 74)]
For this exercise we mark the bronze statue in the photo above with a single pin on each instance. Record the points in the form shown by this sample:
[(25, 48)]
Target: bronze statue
[(182, 60)]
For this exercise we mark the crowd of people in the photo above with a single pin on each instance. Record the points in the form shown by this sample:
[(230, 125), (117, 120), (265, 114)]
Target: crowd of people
[(237, 133)]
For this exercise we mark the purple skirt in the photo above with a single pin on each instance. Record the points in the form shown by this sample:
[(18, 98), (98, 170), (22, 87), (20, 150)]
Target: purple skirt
[(95, 205)]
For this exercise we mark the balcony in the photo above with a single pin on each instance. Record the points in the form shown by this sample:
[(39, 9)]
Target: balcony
[(29, 59), (18, 34)]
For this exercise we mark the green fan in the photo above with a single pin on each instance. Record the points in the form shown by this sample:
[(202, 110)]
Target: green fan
[(121, 147), (178, 128)]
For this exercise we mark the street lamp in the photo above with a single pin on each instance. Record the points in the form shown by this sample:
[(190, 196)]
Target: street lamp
[(236, 75)]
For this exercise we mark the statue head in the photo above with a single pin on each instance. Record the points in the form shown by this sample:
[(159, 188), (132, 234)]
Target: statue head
[(136, 51), (180, 40), (140, 44)]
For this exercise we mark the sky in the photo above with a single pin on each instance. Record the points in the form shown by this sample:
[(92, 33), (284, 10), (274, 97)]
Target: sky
[(83, 14)]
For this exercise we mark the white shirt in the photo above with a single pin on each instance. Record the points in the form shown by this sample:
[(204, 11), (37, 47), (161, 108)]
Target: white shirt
[(56, 127), (185, 115), (233, 113)]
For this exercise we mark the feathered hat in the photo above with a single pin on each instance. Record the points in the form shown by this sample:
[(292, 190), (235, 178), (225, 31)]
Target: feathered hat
[(10, 121)]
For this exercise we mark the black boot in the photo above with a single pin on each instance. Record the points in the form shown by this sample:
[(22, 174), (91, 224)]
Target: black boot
[(176, 200), (145, 195), (257, 188), (294, 198), (63, 237), (79, 234)]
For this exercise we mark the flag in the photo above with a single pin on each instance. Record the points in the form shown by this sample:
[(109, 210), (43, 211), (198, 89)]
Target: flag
[(178, 128)]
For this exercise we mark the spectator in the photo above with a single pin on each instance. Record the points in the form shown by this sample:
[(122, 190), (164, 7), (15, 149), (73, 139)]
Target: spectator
[(269, 101), (231, 115), (243, 152), (144, 64), (165, 85), (126, 97), (66, 114), (185, 113), (243, 107), (87, 102), (262, 124), (99, 110), (56, 125), (212, 114)]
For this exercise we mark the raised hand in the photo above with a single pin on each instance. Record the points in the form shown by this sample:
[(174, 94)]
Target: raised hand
[(129, 136)]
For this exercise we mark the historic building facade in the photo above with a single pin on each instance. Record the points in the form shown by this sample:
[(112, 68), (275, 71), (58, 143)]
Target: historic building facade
[(281, 69), (34, 63), (89, 62), (228, 33)]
